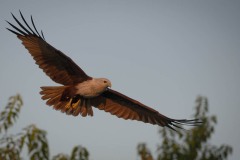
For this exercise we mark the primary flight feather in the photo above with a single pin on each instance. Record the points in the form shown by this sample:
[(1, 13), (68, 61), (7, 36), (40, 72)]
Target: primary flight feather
[(81, 92)]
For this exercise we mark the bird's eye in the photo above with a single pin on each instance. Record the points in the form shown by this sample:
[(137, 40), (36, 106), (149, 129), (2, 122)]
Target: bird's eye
[(105, 81)]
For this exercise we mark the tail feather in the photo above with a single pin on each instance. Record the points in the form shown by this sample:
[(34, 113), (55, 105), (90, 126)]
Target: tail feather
[(60, 105), (73, 106), (53, 96), (54, 100), (52, 93), (47, 96)]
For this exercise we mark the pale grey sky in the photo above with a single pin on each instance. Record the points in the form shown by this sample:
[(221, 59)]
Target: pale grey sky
[(162, 53)]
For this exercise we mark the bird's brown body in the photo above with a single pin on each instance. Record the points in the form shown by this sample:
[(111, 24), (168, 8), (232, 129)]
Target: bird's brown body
[(81, 92), (75, 99)]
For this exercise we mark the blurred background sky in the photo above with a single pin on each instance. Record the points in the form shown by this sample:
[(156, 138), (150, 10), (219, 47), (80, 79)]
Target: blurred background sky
[(162, 53)]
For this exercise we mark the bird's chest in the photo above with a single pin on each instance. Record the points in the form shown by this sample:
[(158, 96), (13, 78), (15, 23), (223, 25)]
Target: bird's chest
[(89, 89)]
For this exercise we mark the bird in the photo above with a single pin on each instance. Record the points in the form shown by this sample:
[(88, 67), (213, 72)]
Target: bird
[(79, 92)]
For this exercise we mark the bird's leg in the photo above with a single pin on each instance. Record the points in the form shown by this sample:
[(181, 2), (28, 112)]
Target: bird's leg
[(69, 104), (75, 105)]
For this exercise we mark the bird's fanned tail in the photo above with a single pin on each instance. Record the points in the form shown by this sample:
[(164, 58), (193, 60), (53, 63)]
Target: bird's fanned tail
[(72, 105)]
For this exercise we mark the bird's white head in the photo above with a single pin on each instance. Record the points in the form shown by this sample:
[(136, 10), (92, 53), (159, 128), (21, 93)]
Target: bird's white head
[(104, 82)]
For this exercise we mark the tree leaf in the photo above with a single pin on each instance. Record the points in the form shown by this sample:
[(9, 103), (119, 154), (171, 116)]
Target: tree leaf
[(10, 112)]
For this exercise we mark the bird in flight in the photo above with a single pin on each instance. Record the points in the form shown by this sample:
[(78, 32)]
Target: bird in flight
[(80, 92)]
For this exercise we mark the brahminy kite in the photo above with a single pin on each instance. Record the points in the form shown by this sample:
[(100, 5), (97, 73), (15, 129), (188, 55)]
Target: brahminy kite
[(80, 92)]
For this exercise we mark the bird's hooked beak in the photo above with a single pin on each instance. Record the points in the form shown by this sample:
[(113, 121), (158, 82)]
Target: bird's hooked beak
[(109, 85)]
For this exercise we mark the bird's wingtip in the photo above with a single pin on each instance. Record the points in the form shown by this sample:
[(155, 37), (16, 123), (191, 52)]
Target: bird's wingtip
[(179, 123)]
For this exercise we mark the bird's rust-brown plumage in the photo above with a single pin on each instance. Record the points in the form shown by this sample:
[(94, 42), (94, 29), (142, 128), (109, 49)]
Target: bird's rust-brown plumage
[(61, 69), (54, 63), (75, 106)]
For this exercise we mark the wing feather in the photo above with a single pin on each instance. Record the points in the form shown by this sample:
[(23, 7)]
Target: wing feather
[(59, 67), (124, 107)]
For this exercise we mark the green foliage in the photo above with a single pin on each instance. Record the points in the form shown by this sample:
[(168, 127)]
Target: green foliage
[(78, 153), (193, 144), (36, 142), (9, 115), (144, 152), (31, 137), (10, 150), (10, 146), (61, 156)]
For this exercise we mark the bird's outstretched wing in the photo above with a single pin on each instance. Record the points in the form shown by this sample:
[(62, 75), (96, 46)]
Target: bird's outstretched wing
[(124, 107), (59, 67)]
